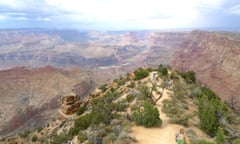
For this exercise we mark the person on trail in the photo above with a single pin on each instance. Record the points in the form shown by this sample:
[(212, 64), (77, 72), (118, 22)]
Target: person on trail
[(180, 137)]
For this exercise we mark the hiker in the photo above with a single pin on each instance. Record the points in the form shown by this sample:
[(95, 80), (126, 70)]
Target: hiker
[(180, 137)]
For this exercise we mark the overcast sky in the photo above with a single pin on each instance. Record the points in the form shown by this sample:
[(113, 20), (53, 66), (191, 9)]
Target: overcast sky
[(119, 14)]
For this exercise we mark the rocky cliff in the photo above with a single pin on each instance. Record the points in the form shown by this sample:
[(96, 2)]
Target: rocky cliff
[(215, 57), (30, 97)]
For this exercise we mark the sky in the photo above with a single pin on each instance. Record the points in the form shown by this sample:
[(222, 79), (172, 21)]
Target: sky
[(119, 14)]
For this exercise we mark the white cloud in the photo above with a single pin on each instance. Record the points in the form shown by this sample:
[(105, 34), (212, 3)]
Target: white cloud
[(133, 13), (44, 19), (235, 10), (215, 4), (170, 12), (22, 18)]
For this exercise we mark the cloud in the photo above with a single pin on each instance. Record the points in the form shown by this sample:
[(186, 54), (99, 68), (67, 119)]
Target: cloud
[(235, 10), (117, 14)]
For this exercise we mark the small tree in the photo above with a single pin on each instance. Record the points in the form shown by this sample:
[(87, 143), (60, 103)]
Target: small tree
[(146, 94), (164, 85), (148, 116)]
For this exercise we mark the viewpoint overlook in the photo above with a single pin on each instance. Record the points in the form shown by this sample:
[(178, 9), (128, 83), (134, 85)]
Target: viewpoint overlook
[(181, 74)]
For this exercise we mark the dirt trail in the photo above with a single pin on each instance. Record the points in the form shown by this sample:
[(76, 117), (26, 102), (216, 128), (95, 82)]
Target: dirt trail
[(167, 132), (162, 135)]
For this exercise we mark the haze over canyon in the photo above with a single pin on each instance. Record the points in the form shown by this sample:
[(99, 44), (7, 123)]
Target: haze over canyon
[(39, 65)]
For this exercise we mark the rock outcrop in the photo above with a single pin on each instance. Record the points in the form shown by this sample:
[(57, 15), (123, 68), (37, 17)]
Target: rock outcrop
[(70, 103)]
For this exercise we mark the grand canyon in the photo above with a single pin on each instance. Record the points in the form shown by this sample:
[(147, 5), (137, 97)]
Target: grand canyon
[(38, 66)]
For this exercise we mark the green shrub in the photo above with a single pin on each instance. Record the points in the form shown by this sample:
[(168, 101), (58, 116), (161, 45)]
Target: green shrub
[(103, 87), (81, 110), (121, 81), (24, 134), (164, 71), (83, 122), (172, 108), (148, 116), (73, 131), (130, 98), (82, 137), (201, 142), (34, 138), (220, 136), (60, 139), (119, 107), (175, 110), (39, 129), (110, 138), (210, 112), (145, 93), (208, 116), (140, 74), (189, 76), (100, 117), (43, 141), (179, 120), (236, 141)]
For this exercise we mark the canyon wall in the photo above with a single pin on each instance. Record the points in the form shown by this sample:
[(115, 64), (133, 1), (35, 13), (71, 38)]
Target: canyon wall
[(215, 57)]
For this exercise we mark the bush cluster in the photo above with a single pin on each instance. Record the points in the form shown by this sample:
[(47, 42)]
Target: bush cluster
[(189, 76), (211, 111), (163, 70), (148, 116), (140, 74)]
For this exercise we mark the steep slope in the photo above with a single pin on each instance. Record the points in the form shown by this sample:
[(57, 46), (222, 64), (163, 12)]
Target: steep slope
[(215, 57), (30, 97)]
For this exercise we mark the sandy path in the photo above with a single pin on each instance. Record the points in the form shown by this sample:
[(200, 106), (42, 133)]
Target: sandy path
[(162, 135)]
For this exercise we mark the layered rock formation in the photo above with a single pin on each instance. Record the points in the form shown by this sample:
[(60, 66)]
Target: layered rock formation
[(30, 97), (215, 57), (70, 104), (64, 49)]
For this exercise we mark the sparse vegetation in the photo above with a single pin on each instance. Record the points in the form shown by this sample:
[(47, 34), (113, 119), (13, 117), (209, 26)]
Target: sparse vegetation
[(175, 110), (106, 117), (130, 98), (82, 137), (103, 87), (60, 139), (24, 134), (131, 85)]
